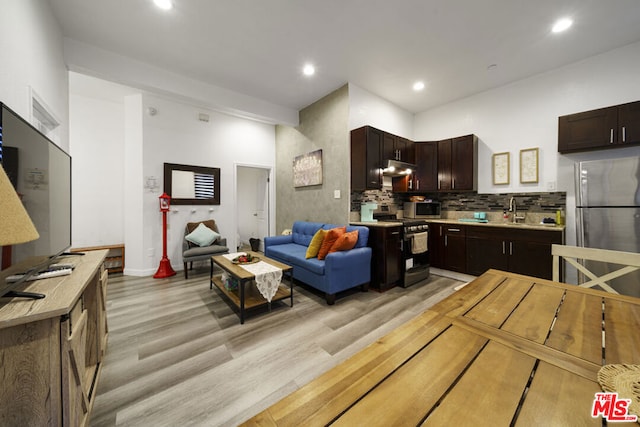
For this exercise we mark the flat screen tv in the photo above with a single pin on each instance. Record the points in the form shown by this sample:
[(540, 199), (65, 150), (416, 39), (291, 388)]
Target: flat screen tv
[(41, 173)]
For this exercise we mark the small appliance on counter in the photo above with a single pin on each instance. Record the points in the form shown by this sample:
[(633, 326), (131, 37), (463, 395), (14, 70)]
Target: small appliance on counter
[(366, 212)]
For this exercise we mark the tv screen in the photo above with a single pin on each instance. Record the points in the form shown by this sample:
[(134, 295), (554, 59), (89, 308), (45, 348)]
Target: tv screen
[(41, 173)]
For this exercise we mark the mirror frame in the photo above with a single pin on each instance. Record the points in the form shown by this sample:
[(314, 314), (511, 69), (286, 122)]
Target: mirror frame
[(170, 167)]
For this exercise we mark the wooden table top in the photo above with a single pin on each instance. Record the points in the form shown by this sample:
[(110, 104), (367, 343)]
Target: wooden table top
[(241, 273), (61, 292), (504, 350)]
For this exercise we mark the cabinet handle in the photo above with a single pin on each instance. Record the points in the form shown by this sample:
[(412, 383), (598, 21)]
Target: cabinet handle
[(504, 249), (445, 240), (624, 134), (453, 229), (454, 184), (611, 136), (439, 181), (417, 184), (510, 248)]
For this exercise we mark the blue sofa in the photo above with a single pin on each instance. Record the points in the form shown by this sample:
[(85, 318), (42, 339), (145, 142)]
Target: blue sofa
[(337, 272)]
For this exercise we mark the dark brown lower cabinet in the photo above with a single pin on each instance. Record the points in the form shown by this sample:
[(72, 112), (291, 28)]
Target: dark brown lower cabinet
[(386, 261), (455, 249), (511, 249)]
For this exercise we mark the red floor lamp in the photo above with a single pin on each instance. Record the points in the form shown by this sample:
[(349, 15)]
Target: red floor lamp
[(164, 269)]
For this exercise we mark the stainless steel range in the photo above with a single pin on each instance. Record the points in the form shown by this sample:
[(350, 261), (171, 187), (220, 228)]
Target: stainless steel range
[(415, 251), (415, 247)]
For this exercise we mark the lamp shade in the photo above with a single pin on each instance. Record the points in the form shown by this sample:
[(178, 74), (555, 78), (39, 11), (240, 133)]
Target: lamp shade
[(15, 224)]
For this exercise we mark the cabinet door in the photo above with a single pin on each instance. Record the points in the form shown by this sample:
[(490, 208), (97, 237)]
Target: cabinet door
[(436, 245), (444, 165), (426, 176), (588, 130), (393, 258), (629, 123), (389, 148), (455, 249), (484, 253), (463, 163), (406, 150), (75, 387), (530, 258), (374, 165)]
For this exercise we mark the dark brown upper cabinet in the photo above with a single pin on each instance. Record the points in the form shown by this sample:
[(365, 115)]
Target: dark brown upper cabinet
[(366, 161), (458, 164), (604, 128)]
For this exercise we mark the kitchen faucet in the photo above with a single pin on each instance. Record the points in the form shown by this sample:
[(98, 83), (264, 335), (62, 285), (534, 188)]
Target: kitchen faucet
[(514, 208)]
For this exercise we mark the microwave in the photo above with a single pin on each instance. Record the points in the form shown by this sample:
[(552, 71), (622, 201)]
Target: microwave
[(422, 209)]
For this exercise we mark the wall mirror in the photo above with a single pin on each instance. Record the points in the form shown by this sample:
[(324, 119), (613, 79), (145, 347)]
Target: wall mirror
[(192, 185)]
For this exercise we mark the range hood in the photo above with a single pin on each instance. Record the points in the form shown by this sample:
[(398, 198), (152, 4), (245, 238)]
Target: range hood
[(397, 168)]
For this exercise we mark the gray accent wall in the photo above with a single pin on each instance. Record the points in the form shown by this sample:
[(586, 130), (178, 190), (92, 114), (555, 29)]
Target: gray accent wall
[(323, 125)]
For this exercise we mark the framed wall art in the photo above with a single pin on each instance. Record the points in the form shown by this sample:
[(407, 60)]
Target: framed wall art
[(529, 166), (501, 168), (307, 169)]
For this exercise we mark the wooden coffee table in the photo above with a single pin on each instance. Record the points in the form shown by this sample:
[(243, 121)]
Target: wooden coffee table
[(249, 297)]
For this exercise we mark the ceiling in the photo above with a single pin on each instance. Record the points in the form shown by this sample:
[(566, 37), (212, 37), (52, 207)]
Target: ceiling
[(258, 47)]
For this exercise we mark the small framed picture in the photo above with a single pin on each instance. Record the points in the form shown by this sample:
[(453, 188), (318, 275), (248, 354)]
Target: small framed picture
[(529, 165), (501, 168)]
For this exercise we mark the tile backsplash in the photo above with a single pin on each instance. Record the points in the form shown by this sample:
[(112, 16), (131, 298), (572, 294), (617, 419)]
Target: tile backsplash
[(526, 202)]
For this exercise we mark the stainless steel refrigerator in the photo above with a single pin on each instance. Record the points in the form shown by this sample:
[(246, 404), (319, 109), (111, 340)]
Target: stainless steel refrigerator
[(608, 213)]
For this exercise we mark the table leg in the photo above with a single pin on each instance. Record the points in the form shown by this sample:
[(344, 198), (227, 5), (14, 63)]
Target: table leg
[(211, 275), (241, 283), (291, 286)]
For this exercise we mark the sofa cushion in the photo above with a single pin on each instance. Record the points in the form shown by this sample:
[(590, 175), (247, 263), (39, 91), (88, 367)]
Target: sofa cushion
[(345, 242), (302, 232), (197, 251), (316, 243), (202, 236), (295, 255), (329, 240)]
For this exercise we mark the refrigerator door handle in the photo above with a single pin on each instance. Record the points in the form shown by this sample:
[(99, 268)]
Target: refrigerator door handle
[(580, 227)]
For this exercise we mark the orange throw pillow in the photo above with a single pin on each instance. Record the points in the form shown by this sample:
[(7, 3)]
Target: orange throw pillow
[(345, 242), (329, 239)]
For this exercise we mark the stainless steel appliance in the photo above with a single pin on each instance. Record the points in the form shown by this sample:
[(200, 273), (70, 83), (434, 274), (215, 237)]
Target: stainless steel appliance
[(422, 209), (415, 251), (608, 213)]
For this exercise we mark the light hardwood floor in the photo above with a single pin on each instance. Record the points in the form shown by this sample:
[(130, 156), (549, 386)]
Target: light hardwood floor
[(177, 354)]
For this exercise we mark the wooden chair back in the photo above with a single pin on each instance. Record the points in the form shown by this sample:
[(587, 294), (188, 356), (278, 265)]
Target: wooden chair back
[(572, 254)]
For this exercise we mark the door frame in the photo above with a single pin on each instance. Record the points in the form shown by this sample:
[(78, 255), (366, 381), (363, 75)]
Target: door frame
[(270, 199)]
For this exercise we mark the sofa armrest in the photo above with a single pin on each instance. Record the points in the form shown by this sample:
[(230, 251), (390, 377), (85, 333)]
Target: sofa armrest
[(277, 240)]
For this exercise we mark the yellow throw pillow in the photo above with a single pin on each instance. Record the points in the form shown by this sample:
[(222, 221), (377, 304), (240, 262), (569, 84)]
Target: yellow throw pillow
[(316, 242)]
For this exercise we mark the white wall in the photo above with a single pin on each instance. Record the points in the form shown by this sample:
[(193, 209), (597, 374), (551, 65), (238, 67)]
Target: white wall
[(116, 144), (32, 59), (525, 115), (366, 108), (97, 147)]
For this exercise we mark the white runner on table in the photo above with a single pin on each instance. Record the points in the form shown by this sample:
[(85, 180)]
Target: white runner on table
[(267, 279)]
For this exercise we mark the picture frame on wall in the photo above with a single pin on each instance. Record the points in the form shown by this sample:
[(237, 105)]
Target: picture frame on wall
[(529, 166), (307, 169), (501, 168)]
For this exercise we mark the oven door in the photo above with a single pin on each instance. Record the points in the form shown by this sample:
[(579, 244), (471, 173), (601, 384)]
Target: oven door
[(416, 257)]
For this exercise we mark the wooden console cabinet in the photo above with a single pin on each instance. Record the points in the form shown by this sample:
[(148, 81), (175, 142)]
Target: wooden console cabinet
[(52, 348)]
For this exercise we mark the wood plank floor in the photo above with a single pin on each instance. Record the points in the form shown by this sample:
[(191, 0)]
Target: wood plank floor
[(177, 354)]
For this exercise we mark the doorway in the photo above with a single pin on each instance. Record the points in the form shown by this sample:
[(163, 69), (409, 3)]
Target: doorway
[(253, 207)]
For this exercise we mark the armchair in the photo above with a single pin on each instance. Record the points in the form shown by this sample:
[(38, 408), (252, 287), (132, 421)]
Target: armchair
[(193, 252)]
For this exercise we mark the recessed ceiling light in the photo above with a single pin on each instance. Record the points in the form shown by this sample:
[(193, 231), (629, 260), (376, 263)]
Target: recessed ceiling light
[(164, 4), (561, 25), (309, 70), (418, 86)]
